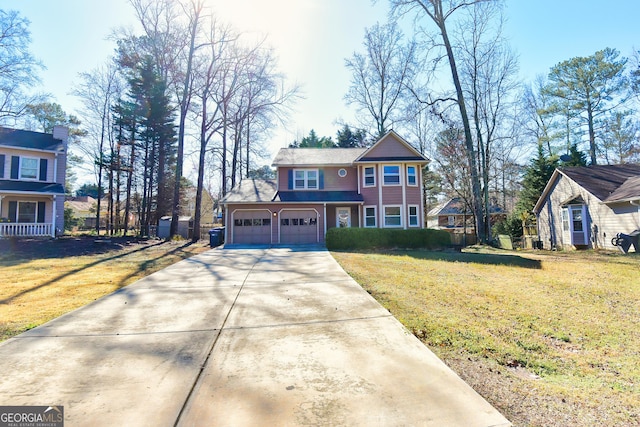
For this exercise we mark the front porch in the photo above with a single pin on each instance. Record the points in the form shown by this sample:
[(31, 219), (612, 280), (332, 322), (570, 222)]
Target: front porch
[(25, 229)]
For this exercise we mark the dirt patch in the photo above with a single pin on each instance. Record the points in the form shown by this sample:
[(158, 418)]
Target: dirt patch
[(514, 392)]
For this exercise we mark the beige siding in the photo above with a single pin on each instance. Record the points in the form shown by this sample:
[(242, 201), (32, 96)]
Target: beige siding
[(9, 152), (604, 221)]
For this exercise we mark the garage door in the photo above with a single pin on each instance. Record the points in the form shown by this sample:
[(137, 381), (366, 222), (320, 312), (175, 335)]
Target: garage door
[(252, 227), (299, 226)]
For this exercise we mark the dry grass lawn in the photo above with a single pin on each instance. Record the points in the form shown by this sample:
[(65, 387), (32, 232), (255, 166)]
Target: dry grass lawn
[(550, 339), (42, 280)]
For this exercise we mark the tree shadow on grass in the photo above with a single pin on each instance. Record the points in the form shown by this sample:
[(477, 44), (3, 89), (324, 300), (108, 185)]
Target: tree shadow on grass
[(143, 267), (465, 257)]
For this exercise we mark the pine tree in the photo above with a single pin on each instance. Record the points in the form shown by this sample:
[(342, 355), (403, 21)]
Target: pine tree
[(536, 177)]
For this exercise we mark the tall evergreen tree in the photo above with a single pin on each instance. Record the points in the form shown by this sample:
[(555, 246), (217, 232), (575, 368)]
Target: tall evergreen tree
[(535, 179)]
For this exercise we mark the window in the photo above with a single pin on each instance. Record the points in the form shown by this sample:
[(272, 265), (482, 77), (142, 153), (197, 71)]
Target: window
[(565, 219), (28, 168), (411, 175), (369, 176), (370, 216), (392, 216), (305, 179), (576, 217), (413, 216), (451, 221), (391, 175), (27, 211), (342, 173)]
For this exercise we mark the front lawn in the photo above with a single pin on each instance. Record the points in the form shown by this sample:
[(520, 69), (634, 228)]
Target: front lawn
[(43, 279), (548, 338)]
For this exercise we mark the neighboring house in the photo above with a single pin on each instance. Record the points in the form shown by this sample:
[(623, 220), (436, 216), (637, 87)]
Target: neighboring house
[(455, 217), (32, 176), (586, 206), (320, 188)]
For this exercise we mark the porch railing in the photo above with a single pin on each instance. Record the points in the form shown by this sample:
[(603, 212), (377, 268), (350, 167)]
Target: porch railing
[(23, 229)]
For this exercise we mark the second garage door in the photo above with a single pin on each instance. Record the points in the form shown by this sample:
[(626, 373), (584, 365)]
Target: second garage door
[(252, 227), (299, 226)]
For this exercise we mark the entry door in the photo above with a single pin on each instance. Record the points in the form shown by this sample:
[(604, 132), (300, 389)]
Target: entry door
[(578, 223), (343, 217)]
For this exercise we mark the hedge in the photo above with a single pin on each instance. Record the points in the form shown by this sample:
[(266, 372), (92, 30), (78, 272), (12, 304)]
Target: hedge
[(369, 238)]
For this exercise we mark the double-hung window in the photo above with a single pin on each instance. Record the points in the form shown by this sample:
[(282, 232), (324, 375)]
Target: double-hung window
[(392, 216), (28, 168), (412, 177), (305, 179), (369, 176), (391, 175), (370, 216), (413, 216)]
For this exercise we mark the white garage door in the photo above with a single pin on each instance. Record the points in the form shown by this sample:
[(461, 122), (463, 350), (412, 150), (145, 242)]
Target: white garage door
[(299, 226), (252, 227)]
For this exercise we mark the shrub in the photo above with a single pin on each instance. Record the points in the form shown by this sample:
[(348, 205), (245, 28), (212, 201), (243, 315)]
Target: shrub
[(369, 238)]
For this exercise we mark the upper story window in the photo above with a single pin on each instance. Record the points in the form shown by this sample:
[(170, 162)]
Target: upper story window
[(369, 176), (412, 177), (29, 168), (391, 175), (305, 179)]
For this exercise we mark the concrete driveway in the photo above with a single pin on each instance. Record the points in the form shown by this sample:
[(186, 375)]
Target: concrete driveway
[(238, 337)]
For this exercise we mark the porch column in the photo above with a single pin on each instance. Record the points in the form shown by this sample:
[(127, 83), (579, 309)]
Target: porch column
[(1, 197), (53, 217)]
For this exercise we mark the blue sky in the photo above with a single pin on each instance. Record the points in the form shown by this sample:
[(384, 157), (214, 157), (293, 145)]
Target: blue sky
[(313, 37)]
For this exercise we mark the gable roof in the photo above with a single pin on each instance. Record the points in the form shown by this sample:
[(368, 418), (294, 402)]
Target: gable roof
[(252, 191), (28, 139), (344, 156), (409, 154), (601, 180), (608, 183)]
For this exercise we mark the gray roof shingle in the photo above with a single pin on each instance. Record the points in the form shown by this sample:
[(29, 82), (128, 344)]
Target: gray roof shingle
[(317, 156), (604, 180), (31, 186), (252, 191), (29, 139)]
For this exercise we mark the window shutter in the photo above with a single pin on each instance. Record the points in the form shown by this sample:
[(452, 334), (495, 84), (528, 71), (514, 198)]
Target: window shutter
[(41, 210), (321, 179), (43, 169), (290, 172), (13, 211), (2, 166), (15, 165)]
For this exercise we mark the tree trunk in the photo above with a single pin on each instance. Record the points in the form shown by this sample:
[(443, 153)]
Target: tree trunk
[(475, 180)]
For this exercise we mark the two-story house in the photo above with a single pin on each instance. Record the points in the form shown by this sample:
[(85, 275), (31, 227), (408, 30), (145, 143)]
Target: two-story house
[(320, 188), (32, 176)]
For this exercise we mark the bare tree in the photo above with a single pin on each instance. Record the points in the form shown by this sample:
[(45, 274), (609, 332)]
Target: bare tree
[(439, 12), (98, 89), (18, 67), (380, 76)]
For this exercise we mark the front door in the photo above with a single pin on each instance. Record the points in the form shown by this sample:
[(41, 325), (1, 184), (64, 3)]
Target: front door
[(574, 224), (343, 217)]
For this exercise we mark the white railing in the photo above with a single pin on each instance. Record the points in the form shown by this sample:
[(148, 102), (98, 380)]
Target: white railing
[(24, 229)]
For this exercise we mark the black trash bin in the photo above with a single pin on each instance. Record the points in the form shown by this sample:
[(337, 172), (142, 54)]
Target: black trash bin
[(216, 237)]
